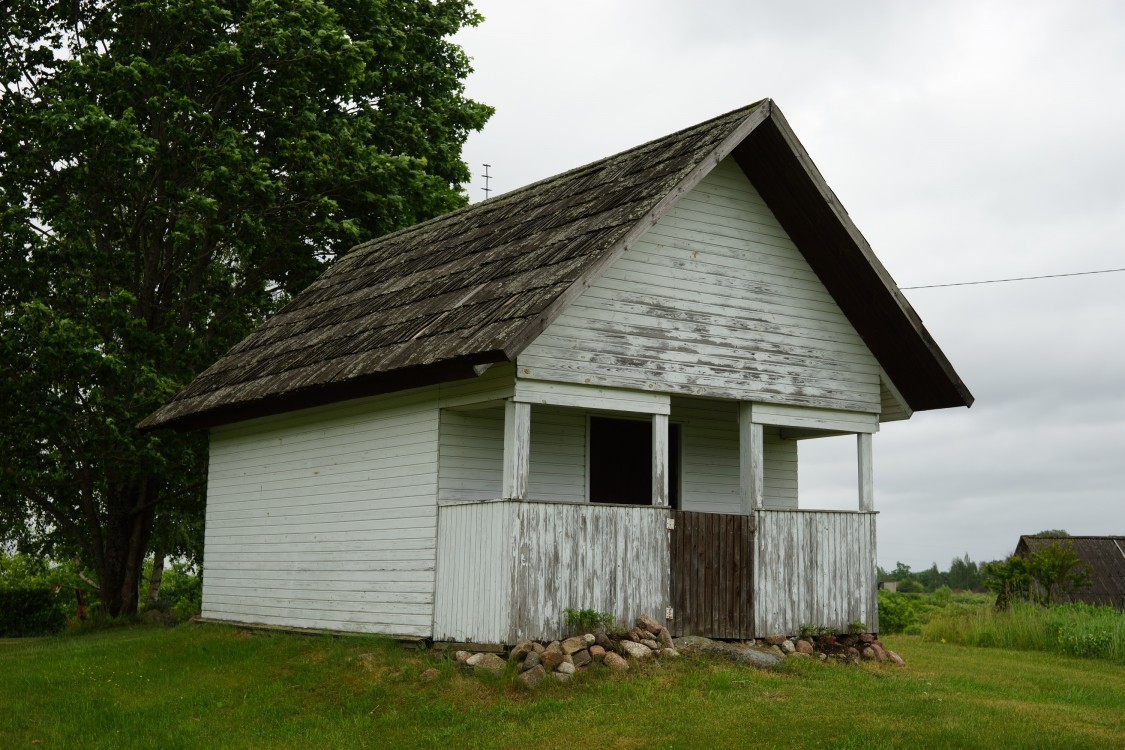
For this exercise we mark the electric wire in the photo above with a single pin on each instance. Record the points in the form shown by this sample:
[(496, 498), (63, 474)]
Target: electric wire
[(1018, 278)]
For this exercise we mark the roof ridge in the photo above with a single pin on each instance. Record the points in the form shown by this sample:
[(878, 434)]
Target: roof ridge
[(516, 193)]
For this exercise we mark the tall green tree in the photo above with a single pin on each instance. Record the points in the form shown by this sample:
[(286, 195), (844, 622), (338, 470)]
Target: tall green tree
[(170, 171)]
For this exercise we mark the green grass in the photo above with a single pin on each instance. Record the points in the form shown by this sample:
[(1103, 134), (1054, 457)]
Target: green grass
[(1075, 629), (203, 686)]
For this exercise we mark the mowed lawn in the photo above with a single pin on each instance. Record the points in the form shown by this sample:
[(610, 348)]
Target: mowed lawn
[(204, 686)]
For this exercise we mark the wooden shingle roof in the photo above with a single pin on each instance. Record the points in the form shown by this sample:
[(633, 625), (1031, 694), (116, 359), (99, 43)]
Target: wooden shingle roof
[(477, 285), (1104, 554)]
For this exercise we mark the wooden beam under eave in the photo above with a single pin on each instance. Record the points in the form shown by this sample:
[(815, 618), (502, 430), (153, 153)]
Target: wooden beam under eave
[(659, 459), (751, 458), (517, 449)]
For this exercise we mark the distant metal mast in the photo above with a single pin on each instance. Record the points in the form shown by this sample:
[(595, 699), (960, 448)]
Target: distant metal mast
[(487, 177)]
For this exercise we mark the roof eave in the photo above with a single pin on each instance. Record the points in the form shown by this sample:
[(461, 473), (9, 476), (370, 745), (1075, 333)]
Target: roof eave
[(809, 211)]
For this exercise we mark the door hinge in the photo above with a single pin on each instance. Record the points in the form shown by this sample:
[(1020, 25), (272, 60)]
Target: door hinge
[(668, 614), (670, 523)]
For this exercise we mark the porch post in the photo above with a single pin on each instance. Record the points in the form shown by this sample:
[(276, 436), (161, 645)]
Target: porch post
[(659, 459), (866, 472), (517, 449), (751, 458)]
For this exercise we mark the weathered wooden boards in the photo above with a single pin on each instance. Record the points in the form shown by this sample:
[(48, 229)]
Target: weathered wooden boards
[(717, 301), (712, 558), (508, 570), (814, 568)]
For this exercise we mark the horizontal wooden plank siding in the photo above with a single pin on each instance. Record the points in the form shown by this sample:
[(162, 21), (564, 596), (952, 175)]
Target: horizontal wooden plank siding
[(715, 300), (474, 573), (326, 518), (814, 568), (710, 458), (589, 397), (508, 569)]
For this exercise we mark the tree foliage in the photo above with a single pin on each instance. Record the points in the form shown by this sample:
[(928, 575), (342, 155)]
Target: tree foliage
[(1043, 576), (171, 170)]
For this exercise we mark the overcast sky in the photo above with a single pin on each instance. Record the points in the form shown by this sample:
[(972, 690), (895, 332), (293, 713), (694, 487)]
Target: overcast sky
[(967, 140)]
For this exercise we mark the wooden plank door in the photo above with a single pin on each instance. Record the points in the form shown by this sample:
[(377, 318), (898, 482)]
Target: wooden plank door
[(712, 575)]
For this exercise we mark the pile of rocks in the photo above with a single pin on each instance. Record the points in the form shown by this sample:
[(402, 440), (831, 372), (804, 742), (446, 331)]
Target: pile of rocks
[(853, 647), (535, 660)]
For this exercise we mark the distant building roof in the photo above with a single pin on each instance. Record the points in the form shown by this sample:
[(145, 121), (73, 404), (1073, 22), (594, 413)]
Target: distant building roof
[(1104, 554), (477, 285)]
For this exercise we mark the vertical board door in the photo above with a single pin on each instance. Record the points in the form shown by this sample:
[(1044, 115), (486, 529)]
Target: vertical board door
[(712, 575)]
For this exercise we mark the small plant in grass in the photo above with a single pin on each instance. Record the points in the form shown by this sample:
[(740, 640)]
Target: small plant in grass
[(587, 620), (855, 627), (808, 632)]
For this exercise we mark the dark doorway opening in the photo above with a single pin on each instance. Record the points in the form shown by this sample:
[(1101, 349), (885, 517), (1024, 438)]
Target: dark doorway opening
[(621, 462)]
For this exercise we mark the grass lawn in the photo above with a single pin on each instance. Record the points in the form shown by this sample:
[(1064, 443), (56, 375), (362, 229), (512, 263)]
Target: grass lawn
[(203, 686)]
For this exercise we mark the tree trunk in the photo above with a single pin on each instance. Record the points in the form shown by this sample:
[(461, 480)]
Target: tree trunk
[(157, 574), (126, 538)]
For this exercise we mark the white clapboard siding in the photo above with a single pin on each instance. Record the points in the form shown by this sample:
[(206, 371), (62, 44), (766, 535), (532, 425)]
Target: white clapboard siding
[(508, 570), (814, 568), (472, 452), (558, 454), (715, 301), (326, 517), (709, 458)]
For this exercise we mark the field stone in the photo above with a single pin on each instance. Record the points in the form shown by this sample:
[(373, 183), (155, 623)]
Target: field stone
[(775, 639), (552, 659), (691, 643), (637, 635), (597, 653), (520, 650), (868, 654), (566, 668), (561, 676), (603, 640), (461, 656), (532, 661), (752, 656), (590, 639), (570, 645), (615, 661), (803, 647), (487, 661), (878, 650), (553, 646), (669, 653), (867, 637), (538, 647), (644, 622), (637, 651), (581, 658), (664, 638), (429, 675), (532, 677), (787, 647), (653, 645), (895, 658)]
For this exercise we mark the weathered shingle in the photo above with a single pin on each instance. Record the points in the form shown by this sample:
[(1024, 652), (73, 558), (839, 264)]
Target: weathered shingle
[(456, 287), (477, 285)]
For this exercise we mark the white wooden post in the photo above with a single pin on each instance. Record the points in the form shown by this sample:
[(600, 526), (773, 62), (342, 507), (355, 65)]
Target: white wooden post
[(751, 457), (866, 472), (517, 449), (659, 459)]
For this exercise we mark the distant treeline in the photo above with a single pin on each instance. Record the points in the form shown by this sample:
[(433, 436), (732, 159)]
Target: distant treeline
[(963, 574)]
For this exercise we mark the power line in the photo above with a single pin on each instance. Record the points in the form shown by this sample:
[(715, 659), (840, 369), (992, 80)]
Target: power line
[(1019, 278)]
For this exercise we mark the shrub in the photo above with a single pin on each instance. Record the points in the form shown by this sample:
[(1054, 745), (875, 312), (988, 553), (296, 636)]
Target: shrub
[(30, 611), (587, 620), (896, 613)]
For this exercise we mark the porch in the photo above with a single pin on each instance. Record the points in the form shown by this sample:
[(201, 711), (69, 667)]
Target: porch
[(703, 531)]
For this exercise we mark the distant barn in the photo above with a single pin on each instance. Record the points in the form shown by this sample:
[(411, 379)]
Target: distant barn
[(1104, 554)]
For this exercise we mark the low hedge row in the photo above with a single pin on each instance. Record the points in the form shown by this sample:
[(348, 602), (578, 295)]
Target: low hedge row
[(30, 611)]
